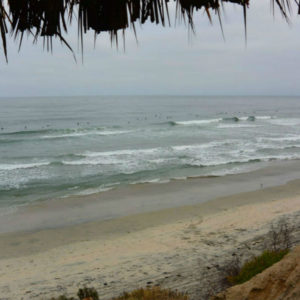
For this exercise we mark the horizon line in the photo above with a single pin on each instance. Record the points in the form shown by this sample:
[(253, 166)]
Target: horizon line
[(148, 95)]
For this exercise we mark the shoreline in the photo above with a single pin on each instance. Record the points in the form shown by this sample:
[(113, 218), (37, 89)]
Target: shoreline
[(49, 238), (143, 198), (182, 247)]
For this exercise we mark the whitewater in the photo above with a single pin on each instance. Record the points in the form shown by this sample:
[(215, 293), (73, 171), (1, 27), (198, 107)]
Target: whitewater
[(56, 147)]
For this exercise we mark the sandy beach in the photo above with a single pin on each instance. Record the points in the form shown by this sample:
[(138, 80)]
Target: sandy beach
[(181, 248)]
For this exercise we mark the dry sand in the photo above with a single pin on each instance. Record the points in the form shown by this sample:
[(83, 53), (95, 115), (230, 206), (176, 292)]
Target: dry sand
[(181, 248)]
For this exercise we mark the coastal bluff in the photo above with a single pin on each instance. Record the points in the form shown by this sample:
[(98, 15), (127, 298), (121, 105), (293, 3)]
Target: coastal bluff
[(279, 282)]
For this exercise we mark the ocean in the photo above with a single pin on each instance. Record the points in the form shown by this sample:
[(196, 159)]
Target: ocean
[(58, 147)]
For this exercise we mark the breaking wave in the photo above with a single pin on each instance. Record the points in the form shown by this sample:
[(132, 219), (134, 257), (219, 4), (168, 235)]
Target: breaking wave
[(63, 133), (206, 122), (10, 167)]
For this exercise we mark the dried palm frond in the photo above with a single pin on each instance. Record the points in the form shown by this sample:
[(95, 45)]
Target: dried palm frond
[(51, 18)]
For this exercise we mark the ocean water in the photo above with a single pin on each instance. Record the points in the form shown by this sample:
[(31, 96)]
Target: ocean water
[(56, 147)]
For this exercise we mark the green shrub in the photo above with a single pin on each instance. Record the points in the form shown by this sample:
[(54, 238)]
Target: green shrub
[(154, 293), (63, 298), (257, 265), (87, 293)]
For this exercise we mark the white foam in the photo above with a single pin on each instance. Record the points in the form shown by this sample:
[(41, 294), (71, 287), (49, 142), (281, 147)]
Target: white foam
[(209, 121), (122, 152), (285, 122), (237, 125), (156, 180), (132, 160), (199, 146), (237, 160), (79, 134), (198, 122), (10, 167), (94, 191), (243, 118), (282, 139), (94, 161), (264, 117)]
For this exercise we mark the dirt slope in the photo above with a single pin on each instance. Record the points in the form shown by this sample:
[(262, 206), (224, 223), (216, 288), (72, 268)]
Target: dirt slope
[(279, 282)]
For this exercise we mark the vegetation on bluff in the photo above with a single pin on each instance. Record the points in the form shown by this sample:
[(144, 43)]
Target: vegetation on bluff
[(257, 265), (154, 293), (279, 242)]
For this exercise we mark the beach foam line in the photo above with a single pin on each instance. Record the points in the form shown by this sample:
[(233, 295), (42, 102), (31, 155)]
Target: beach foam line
[(92, 191), (147, 181)]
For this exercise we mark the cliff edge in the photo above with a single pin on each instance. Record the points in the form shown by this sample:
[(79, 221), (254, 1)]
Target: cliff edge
[(279, 282)]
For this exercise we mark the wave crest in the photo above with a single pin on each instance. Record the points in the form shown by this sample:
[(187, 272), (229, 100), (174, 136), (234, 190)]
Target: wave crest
[(10, 167)]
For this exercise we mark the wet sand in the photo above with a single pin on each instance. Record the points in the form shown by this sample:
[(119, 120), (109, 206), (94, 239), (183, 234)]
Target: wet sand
[(142, 198), (180, 247)]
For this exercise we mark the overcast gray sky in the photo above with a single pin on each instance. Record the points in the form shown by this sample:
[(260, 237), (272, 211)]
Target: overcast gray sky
[(166, 61)]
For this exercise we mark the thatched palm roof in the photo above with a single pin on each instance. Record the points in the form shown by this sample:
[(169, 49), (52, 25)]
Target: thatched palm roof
[(51, 18)]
